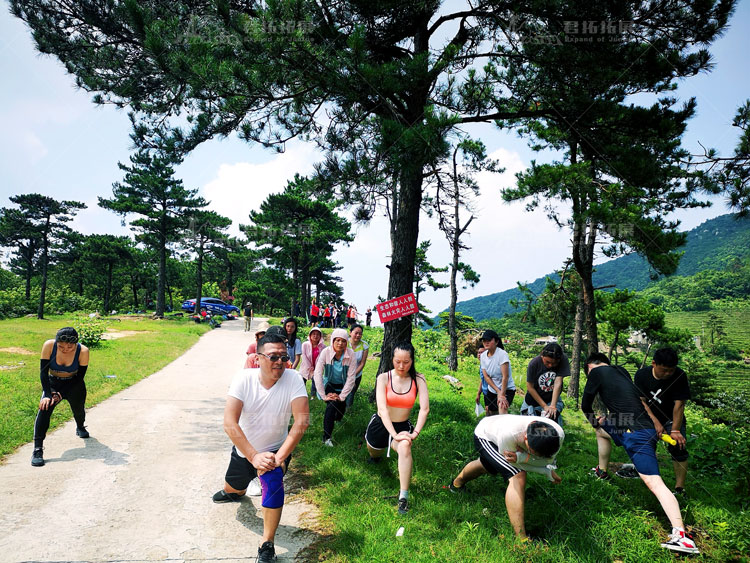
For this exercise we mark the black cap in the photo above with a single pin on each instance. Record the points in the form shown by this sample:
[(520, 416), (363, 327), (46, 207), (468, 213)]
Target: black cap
[(277, 331)]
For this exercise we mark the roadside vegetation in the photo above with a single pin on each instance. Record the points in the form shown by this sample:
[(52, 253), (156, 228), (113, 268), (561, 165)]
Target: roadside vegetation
[(581, 519)]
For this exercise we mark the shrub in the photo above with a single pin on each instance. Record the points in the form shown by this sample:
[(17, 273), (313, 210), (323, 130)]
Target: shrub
[(90, 330)]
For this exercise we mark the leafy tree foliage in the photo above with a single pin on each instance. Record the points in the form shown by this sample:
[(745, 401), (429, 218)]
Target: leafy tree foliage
[(45, 220), (730, 174), (621, 172), (164, 205), (297, 233), (455, 188), (206, 230), (423, 279)]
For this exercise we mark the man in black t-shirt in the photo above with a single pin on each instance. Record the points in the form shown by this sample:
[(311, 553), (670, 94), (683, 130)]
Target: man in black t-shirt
[(664, 389), (628, 425), (544, 379)]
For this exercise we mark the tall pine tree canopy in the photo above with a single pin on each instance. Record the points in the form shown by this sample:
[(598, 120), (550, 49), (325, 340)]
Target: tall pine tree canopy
[(380, 85)]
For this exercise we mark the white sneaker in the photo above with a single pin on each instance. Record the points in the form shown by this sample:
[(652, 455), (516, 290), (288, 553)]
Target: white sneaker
[(328, 443), (680, 541), (253, 489)]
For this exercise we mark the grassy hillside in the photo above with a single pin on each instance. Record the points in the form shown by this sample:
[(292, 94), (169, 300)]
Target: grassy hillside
[(715, 244), (580, 520)]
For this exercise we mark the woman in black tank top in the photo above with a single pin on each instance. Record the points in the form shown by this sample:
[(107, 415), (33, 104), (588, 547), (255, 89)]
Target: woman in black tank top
[(62, 368)]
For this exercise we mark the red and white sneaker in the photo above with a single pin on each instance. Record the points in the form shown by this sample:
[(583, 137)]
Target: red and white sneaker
[(680, 541)]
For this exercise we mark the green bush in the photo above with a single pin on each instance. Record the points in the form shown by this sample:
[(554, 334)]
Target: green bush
[(90, 330), (13, 303)]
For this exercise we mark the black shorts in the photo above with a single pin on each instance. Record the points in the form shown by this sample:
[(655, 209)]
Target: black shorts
[(240, 471), (313, 319), (376, 434), (490, 399), (675, 451), (493, 460)]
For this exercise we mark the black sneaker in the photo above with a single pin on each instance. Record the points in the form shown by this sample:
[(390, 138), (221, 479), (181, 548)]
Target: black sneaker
[(82, 432), (680, 492), (403, 506), (223, 496), (266, 553), (455, 489), (37, 459), (627, 471), (374, 460), (600, 473)]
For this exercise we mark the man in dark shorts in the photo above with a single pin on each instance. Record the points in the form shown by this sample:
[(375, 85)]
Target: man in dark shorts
[(544, 382), (628, 425), (509, 445), (664, 389), (256, 421)]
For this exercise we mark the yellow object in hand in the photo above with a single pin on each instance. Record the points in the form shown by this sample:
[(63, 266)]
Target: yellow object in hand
[(669, 440)]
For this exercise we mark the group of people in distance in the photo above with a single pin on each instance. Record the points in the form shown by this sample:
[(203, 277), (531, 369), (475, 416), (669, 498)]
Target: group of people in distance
[(263, 400), (331, 316)]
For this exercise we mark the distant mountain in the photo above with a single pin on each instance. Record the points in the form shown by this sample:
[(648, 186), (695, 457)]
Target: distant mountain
[(710, 246)]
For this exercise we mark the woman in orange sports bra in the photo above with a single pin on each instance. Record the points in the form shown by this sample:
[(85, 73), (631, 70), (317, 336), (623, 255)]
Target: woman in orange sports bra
[(390, 427)]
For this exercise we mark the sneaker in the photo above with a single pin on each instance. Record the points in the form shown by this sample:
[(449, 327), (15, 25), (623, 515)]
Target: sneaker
[(37, 459), (681, 541), (680, 492), (627, 471), (403, 506), (328, 443), (254, 489), (600, 473), (82, 432), (455, 489), (374, 460), (223, 496), (266, 553)]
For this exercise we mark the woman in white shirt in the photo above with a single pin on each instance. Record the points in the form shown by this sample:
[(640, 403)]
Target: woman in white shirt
[(495, 365)]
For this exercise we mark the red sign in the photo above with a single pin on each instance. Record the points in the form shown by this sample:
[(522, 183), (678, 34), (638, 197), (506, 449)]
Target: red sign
[(398, 307)]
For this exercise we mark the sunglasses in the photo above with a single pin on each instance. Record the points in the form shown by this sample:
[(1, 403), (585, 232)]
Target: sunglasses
[(275, 359), (67, 339)]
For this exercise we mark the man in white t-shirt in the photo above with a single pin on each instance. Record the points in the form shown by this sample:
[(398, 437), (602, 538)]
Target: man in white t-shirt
[(260, 404), (495, 365), (510, 445)]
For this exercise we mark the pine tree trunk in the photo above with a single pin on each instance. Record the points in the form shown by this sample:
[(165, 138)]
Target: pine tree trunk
[(404, 233), (199, 280), (575, 364), (161, 284), (108, 288), (45, 264)]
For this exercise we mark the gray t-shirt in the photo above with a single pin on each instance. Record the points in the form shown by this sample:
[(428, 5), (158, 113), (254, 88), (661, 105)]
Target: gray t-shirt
[(543, 379)]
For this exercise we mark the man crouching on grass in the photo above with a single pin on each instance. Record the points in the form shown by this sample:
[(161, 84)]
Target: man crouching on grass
[(628, 425), (260, 404), (510, 445)]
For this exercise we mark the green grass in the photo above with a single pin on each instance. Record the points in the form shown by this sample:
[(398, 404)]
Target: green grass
[(130, 358), (580, 519)]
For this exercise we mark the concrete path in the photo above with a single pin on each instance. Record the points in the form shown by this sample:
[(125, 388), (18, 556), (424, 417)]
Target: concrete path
[(140, 488)]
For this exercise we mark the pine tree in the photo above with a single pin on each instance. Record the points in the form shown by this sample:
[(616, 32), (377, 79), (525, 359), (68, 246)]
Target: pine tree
[(43, 220), (164, 205)]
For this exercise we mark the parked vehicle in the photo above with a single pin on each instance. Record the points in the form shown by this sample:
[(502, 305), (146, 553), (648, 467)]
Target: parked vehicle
[(216, 306)]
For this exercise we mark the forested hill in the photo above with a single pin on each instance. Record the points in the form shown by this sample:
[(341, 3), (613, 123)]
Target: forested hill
[(711, 246)]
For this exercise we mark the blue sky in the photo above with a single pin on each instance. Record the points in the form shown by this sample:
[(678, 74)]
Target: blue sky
[(54, 141)]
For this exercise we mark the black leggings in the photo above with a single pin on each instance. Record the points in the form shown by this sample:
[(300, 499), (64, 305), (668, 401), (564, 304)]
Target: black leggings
[(75, 394), (334, 411)]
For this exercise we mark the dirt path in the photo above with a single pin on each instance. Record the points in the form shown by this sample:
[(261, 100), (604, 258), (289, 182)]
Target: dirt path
[(140, 488)]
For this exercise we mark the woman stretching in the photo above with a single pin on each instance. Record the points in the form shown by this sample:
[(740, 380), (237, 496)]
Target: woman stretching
[(397, 390), (334, 380), (63, 365)]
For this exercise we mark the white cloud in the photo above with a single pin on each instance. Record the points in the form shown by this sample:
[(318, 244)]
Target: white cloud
[(241, 187)]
